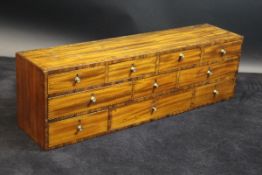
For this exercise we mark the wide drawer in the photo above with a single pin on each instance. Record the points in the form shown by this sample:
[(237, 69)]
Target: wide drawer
[(76, 79), (214, 92), (133, 68), (87, 100), (187, 58), (173, 104), (221, 52), (131, 114), (155, 85), (73, 129)]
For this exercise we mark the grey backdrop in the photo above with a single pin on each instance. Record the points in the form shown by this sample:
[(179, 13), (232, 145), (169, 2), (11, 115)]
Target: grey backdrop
[(32, 24)]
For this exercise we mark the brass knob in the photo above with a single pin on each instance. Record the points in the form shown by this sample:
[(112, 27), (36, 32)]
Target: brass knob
[(133, 68), (154, 109), (93, 99), (155, 85), (79, 128), (209, 72), (215, 92), (181, 57), (223, 52), (77, 79)]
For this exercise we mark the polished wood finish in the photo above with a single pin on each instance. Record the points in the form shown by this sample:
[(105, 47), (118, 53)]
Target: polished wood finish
[(31, 99), (88, 77), (66, 130), (69, 93), (81, 102)]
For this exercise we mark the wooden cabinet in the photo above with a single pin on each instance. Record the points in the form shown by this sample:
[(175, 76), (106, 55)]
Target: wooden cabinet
[(66, 94)]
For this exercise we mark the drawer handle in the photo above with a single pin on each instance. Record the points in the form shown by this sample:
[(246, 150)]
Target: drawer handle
[(223, 52), (216, 92), (181, 57), (133, 68), (77, 79), (93, 99), (79, 128), (155, 85), (209, 72), (154, 109)]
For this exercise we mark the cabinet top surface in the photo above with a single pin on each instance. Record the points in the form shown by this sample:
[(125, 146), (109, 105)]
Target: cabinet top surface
[(80, 54)]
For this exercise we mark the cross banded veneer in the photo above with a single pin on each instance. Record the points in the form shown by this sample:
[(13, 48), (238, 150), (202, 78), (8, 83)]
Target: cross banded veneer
[(69, 93)]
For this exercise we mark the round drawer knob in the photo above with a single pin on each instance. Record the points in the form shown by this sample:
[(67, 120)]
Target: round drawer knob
[(79, 128), (223, 52), (93, 99), (181, 57), (77, 79), (154, 109), (215, 92), (209, 72), (133, 68), (155, 85)]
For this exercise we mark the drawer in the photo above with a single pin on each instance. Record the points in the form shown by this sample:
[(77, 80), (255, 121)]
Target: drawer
[(173, 104), (174, 60), (223, 69), (87, 100), (194, 75), (133, 68), (76, 79), (221, 52), (156, 84), (73, 129), (131, 115), (214, 92)]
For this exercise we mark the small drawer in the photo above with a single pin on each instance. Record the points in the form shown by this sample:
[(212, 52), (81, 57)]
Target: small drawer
[(131, 69), (187, 58), (216, 71), (72, 129), (131, 115), (224, 52), (214, 92), (192, 76), (173, 104), (155, 85), (76, 79), (87, 100)]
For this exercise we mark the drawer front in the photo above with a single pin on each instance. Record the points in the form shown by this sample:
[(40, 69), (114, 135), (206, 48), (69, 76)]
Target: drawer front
[(131, 114), (130, 69), (173, 104), (194, 75), (70, 130), (223, 69), (224, 52), (84, 101), (156, 84), (174, 60), (76, 79), (213, 92)]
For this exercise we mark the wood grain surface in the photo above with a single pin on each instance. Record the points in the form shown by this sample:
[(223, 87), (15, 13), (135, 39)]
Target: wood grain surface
[(69, 93), (60, 57)]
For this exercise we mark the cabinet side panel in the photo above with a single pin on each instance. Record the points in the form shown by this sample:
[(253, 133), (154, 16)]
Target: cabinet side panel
[(31, 100)]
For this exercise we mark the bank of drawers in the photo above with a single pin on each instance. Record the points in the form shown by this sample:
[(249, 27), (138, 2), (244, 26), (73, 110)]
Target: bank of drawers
[(115, 95)]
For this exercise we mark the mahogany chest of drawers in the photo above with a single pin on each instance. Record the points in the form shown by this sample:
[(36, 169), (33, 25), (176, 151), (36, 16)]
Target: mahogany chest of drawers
[(69, 93)]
